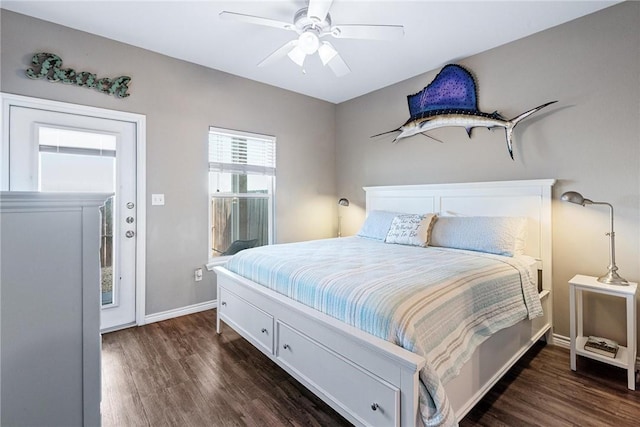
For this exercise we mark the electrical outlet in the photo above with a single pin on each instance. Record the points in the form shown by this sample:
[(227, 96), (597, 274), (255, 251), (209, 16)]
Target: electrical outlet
[(198, 275)]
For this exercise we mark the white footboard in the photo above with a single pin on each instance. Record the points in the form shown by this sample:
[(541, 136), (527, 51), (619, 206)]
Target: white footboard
[(369, 381)]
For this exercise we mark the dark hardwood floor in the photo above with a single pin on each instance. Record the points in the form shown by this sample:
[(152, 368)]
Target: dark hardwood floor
[(181, 373)]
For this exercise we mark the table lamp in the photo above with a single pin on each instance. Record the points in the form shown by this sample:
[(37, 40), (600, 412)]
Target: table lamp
[(612, 277)]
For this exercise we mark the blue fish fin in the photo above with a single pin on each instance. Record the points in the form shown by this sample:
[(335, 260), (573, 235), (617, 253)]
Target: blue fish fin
[(469, 130)]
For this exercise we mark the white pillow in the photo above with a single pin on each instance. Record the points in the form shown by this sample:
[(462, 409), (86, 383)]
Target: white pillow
[(410, 229), (494, 235), (377, 224)]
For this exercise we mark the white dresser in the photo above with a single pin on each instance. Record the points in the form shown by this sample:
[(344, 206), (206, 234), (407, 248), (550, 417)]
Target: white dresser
[(49, 309)]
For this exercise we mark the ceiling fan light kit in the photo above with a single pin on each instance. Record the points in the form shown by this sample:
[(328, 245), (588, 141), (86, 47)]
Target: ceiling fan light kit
[(326, 52), (297, 55), (309, 42), (313, 23)]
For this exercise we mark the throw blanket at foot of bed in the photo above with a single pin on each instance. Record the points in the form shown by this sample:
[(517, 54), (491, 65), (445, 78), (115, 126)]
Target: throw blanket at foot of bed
[(439, 303)]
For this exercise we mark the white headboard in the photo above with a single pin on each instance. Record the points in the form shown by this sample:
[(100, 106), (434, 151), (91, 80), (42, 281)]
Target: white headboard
[(528, 198)]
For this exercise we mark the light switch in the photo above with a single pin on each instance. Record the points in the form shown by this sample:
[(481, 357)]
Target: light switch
[(157, 199)]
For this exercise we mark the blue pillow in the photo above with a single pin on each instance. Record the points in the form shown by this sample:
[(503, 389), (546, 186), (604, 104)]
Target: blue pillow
[(495, 235), (377, 224)]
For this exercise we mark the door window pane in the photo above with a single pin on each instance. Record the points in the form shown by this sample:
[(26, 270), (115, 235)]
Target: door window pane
[(76, 173), (77, 161)]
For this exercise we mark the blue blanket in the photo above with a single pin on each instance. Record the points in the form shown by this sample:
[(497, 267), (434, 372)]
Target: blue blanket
[(439, 303)]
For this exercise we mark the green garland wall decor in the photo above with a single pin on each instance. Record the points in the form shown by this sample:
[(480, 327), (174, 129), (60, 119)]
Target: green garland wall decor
[(49, 65)]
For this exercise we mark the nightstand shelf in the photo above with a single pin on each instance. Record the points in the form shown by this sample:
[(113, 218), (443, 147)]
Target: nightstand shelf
[(620, 360), (626, 356)]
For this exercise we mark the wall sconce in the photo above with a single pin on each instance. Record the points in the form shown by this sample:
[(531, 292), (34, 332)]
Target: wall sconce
[(342, 202), (612, 277)]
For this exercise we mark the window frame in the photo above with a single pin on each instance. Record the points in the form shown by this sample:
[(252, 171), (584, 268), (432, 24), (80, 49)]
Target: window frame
[(220, 260)]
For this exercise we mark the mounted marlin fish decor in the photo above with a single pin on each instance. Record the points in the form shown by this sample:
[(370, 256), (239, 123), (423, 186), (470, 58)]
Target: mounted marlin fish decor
[(451, 100)]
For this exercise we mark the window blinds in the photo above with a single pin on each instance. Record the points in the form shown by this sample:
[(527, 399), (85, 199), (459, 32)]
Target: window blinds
[(67, 141), (241, 152)]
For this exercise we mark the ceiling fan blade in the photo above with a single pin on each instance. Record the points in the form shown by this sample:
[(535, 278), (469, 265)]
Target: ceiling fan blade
[(338, 66), (280, 53), (318, 9), (297, 55), (371, 32), (250, 19), (326, 52)]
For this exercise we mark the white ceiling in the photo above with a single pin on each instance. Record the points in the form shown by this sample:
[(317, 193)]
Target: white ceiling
[(436, 33)]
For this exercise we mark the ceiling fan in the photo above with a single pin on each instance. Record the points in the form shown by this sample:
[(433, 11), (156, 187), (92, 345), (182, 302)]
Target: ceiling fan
[(313, 23)]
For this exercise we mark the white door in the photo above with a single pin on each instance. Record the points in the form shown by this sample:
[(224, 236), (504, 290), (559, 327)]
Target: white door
[(56, 151)]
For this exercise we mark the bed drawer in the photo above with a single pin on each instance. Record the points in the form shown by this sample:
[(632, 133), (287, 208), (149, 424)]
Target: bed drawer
[(368, 398), (253, 323)]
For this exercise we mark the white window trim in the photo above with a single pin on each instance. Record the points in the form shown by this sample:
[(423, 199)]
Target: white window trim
[(240, 133)]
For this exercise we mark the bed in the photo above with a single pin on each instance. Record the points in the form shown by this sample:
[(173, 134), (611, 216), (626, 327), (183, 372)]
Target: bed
[(368, 379)]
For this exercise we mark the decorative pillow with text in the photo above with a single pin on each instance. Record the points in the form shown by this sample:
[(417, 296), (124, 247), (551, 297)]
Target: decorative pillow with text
[(410, 229)]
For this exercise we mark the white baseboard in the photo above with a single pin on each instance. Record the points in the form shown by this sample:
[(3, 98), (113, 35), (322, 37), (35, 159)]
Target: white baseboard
[(561, 341), (565, 342), (182, 311)]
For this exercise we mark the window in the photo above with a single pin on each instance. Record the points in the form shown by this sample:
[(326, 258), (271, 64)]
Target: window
[(242, 168)]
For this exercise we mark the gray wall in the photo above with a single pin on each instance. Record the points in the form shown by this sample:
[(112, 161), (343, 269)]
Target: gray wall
[(181, 100), (589, 141)]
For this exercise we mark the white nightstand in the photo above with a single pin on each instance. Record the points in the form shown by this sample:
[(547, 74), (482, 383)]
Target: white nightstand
[(626, 357)]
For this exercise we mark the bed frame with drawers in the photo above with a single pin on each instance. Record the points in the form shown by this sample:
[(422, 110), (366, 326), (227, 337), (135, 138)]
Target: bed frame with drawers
[(368, 380)]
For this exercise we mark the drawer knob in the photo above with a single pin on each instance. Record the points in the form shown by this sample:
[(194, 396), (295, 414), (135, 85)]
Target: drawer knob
[(286, 346), (264, 330), (374, 406), (224, 303)]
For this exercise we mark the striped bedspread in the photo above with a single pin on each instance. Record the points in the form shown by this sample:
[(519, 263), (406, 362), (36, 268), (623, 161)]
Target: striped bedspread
[(436, 302)]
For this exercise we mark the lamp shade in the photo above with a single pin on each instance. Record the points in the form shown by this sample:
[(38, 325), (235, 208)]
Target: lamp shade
[(343, 202), (573, 197)]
